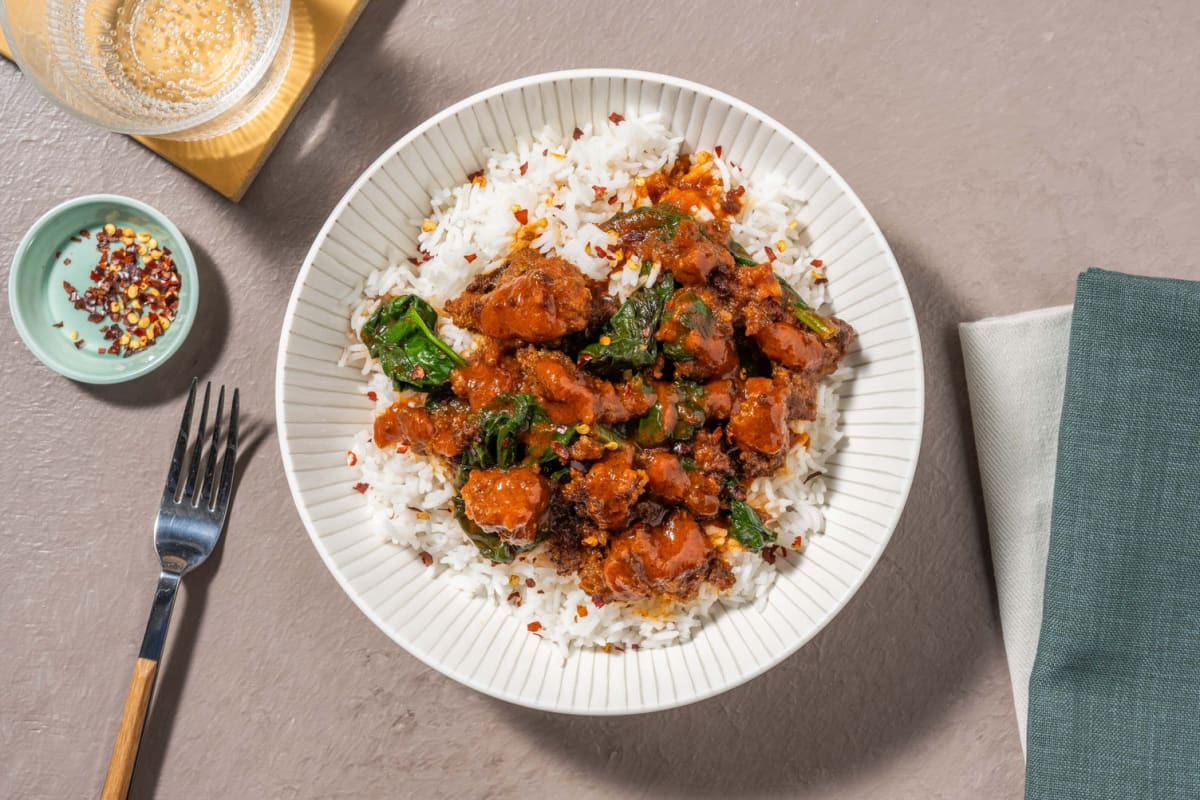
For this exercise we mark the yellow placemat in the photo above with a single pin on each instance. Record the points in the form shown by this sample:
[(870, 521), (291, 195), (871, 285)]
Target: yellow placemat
[(229, 163)]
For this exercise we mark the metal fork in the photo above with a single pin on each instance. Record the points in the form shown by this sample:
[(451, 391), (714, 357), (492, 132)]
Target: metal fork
[(188, 525)]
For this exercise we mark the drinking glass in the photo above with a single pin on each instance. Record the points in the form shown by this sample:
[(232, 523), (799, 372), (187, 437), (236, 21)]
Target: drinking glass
[(180, 69)]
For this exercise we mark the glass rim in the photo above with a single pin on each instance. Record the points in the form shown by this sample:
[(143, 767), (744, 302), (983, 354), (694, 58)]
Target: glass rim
[(246, 85)]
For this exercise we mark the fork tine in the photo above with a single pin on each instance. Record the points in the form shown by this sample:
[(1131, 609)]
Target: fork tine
[(189, 490), (206, 490), (227, 463), (180, 444)]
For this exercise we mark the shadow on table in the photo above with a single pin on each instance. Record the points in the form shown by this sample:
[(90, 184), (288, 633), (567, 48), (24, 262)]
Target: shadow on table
[(185, 629), (880, 673), (195, 358)]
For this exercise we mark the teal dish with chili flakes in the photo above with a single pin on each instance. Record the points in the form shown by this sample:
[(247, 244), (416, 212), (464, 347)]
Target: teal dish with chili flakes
[(96, 304)]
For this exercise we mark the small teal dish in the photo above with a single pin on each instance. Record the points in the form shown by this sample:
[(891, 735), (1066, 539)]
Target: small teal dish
[(54, 251)]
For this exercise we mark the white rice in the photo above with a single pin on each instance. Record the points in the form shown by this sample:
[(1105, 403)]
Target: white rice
[(410, 494)]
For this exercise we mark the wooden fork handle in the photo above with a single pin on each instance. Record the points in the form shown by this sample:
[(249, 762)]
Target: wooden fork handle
[(120, 768)]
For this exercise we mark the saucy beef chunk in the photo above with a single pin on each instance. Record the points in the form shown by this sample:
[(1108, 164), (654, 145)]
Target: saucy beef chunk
[(490, 372), (531, 298), (796, 347), (697, 333), (688, 249), (509, 503), (759, 420), (606, 492), (668, 559), (665, 476), (668, 479), (570, 395), (444, 430), (753, 294)]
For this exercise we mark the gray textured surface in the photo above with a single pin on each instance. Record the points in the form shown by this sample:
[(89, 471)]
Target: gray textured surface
[(1001, 147)]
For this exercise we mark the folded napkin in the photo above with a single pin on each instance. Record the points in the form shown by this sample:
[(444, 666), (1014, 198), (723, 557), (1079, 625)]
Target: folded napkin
[(1114, 696), (1016, 368)]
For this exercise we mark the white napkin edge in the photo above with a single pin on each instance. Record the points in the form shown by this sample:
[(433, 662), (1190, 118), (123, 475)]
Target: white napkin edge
[(1016, 374)]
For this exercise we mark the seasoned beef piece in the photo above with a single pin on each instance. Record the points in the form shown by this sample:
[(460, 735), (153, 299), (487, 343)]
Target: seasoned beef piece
[(801, 392), (709, 453), (752, 294), (759, 421), (531, 298), (718, 399), (490, 371), (665, 476), (794, 346), (509, 503), (697, 334), (607, 492), (444, 430), (571, 396), (668, 559)]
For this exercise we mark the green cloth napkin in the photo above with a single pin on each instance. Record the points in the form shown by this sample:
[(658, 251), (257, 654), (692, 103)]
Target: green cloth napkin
[(1114, 700)]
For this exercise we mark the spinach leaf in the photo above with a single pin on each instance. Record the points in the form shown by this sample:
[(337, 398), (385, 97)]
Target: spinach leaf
[(747, 528), (401, 335), (688, 312), (804, 313), (690, 408), (662, 216), (740, 256), (490, 545), (628, 338), (501, 423), (650, 428), (687, 401)]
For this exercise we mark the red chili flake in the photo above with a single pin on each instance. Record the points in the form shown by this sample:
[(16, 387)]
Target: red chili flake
[(57, 324), (636, 646), (372, 396), (114, 349), (770, 254), (600, 251), (525, 166), (79, 344), (413, 261), (575, 134), (470, 257), (534, 627), (820, 280), (615, 118), (797, 543), (530, 582), (58, 254), (95, 317), (418, 372), (545, 152), (101, 350), (361, 487), (84, 233), (717, 150), (351, 459), (76, 239), (473, 175), (598, 192), (514, 597), (772, 552), (812, 475), (612, 200), (818, 263), (598, 601), (426, 559), (67, 261), (522, 216)]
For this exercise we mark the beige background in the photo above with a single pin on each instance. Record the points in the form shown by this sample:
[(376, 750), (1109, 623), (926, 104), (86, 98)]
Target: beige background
[(1002, 147)]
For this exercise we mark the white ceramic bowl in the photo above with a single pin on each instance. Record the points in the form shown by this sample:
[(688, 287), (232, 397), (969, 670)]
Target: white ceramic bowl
[(320, 406)]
